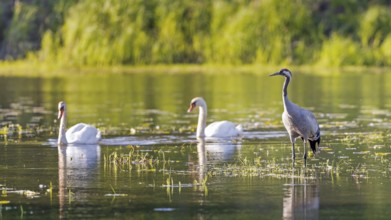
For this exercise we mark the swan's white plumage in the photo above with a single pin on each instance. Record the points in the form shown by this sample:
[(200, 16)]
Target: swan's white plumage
[(221, 129), (83, 134), (80, 133)]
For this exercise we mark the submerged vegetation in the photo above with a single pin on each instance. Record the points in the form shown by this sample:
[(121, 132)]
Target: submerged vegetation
[(132, 32), (258, 161)]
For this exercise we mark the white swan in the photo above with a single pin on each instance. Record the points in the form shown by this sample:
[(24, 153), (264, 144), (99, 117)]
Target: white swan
[(78, 134), (216, 129)]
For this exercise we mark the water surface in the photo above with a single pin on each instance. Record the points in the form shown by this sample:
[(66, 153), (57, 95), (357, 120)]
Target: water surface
[(150, 165)]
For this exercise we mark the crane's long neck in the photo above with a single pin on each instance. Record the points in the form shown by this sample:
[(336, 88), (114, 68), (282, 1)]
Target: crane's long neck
[(202, 120), (285, 91), (61, 134)]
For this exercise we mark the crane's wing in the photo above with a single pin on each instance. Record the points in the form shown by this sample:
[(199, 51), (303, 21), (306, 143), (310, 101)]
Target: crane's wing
[(312, 123), (290, 125)]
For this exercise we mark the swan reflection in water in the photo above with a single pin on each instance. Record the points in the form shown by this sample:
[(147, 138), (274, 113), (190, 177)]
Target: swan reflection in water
[(78, 169), (202, 161), (213, 153), (301, 199), (222, 151)]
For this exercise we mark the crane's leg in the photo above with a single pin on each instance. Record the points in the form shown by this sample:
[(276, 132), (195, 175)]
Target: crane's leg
[(293, 154), (293, 151), (293, 140), (305, 153)]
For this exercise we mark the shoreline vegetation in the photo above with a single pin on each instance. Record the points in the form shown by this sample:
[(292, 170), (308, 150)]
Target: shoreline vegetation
[(26, 68), (162, 35)]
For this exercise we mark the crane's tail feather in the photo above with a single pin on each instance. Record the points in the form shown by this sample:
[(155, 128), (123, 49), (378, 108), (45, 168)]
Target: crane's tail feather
[(313, 142)]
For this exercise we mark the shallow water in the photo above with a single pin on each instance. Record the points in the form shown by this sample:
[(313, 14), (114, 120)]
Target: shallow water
[(150, 165)]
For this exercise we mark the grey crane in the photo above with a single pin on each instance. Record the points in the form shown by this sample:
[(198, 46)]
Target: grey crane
[(298, 122)]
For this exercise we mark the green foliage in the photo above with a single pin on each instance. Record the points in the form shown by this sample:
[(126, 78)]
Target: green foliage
[(375, 26), (23, 24), (182, 30), (385, 50), (284, 32), (22, 30), (375, 29), (132, 32), (339, 51), (101, 32)]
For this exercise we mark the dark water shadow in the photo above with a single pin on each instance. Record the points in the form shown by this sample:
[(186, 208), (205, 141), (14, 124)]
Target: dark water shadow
[(212, 144), (144, 140), (160, 139), (261, 135)]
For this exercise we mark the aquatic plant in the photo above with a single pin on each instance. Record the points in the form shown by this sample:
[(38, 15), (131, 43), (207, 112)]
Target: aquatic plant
[(115, 194), (141, 161), (71, 196)]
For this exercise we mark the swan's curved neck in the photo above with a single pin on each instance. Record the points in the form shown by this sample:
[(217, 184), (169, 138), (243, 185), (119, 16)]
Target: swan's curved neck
[(202, 120), (61, 134)]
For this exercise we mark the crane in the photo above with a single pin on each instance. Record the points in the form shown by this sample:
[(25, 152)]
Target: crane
[(298, 122)]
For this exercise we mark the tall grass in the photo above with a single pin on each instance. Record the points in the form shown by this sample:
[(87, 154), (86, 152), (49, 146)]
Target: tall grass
[(109, 32)]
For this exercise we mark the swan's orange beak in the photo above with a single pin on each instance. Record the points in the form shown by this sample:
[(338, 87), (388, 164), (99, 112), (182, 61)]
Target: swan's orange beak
[(191, 107), (60, 113)]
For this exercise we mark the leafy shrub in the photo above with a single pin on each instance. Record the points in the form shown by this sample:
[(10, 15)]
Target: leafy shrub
[(339, 51), (110, 32)]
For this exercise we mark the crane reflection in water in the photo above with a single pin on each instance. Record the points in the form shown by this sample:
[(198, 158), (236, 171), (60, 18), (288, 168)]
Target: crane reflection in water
[(301, 199)]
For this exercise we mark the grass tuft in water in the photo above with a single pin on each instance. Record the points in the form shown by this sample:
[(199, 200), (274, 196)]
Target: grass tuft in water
[(141, 161), (70, 196)]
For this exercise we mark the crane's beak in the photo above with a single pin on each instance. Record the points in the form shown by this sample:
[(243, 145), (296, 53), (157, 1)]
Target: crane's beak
[(275, 74), (60, 113), (191, 107)]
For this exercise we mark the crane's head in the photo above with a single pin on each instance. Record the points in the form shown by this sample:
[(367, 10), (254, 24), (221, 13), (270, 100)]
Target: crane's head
[(61, 109), (197, 101), (283, 72)]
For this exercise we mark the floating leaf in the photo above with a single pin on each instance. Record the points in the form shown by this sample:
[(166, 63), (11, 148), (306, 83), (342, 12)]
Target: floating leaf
[(362, 152), (3, 202)]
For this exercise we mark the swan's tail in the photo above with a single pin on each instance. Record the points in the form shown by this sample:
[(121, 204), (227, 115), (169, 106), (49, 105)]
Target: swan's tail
[(239, 128), (98, 135)]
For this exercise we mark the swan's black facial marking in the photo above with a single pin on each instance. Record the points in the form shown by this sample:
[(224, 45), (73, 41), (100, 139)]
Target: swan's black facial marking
[(192, 106), (61, 105), (61, 109), (60, 113)]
